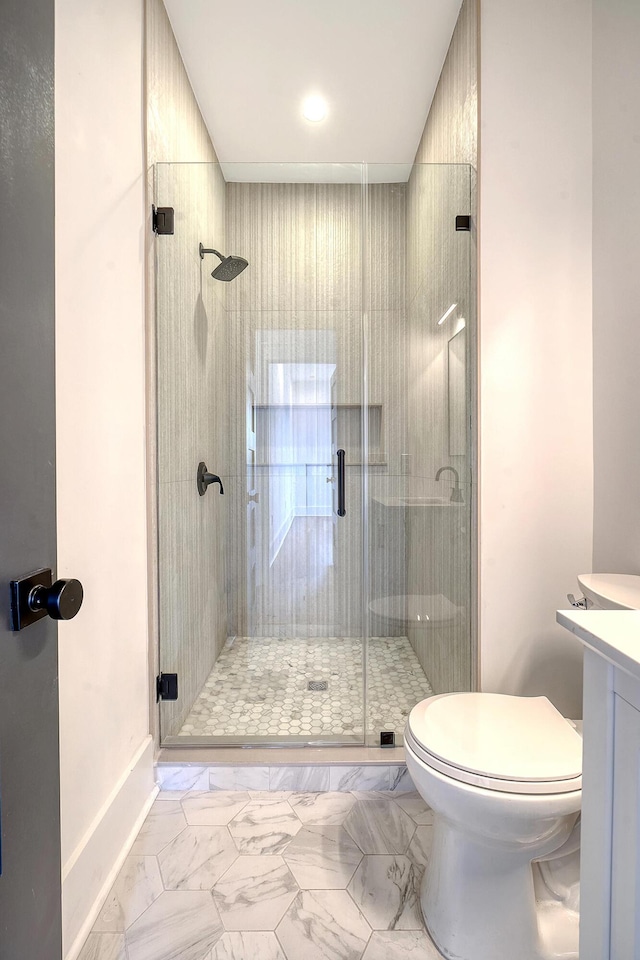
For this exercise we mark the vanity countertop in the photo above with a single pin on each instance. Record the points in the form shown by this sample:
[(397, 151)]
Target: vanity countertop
[(614, 634)]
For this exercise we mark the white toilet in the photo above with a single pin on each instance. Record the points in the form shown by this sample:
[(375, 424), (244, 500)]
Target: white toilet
[(503, 777)]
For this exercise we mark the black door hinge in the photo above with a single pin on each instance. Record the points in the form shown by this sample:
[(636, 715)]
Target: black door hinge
[(162, 219), (463, 223), (167, 686)]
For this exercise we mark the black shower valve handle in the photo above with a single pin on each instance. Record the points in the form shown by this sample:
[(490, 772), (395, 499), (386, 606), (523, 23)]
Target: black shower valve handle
[(204, 479)]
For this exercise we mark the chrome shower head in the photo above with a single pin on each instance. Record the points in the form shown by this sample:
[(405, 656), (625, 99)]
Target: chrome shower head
[(229, 268)]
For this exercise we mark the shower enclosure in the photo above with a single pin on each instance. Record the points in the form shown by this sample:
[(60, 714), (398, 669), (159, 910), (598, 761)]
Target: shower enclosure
[(322, 583)]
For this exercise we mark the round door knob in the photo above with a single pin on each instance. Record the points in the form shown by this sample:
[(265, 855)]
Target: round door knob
[(61, 601)]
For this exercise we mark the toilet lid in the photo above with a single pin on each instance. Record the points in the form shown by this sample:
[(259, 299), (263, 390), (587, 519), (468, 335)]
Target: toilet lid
[(489, 737)]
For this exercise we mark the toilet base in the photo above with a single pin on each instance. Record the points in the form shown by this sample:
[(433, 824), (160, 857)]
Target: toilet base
[(502, 879), (479, 903)]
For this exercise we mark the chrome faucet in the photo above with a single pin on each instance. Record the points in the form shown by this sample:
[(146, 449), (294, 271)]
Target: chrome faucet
[(456, 493)]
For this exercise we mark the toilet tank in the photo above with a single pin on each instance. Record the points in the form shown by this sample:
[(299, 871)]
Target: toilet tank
[(611, 591)]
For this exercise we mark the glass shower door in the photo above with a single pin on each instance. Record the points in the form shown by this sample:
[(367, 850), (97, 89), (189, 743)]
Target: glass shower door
[(262, 379)]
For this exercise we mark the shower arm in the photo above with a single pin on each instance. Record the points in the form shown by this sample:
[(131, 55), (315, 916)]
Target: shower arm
[(202, 250)]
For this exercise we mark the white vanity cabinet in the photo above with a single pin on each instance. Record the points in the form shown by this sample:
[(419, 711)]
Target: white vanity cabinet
[(610, 836)]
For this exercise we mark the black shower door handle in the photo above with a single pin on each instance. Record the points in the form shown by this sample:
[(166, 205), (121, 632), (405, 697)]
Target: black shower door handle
[(342, 510)]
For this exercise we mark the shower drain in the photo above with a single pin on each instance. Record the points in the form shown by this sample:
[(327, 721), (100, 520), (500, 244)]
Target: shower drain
[(318, 685)]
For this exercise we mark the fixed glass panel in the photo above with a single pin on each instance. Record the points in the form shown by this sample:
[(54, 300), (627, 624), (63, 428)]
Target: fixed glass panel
[(261, 378), (420, 335)]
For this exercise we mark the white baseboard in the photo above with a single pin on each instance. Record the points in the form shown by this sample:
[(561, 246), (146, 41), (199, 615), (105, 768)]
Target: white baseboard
[(93, 867)]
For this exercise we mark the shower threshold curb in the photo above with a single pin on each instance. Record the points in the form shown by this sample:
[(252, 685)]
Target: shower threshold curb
[(307, 770), (281, 756)]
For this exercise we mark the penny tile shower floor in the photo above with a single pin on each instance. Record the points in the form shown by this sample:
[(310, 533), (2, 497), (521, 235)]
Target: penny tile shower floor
[(226, 875), (259, 688)]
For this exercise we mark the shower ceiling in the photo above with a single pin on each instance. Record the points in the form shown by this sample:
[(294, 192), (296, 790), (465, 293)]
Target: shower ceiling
[(376, 62)]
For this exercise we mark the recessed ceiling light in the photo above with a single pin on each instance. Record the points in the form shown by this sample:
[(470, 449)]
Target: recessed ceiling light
[(314, 109)]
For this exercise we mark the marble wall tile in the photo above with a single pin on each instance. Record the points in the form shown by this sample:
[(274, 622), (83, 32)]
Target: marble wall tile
[(322, 858), (104, 946), (239, 778), (197, 858), (364, 777), (323, 925), (179, 924), (401, 945), (380, 826), (299, 778), (254, 893), (385, 888), (138, 884)]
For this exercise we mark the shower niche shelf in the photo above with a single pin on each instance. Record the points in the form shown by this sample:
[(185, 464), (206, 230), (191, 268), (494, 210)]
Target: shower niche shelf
[(314, 420)]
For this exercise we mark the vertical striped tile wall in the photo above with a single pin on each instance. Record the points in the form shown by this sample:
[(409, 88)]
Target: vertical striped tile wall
[(192, 412)]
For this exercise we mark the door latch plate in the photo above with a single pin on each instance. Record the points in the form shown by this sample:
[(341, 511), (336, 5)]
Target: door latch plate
[(21, 613)]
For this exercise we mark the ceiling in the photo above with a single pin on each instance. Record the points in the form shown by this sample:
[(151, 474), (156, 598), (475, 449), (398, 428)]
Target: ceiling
[(252, 63)]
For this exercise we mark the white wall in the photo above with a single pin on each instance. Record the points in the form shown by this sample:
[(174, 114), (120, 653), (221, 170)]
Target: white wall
[(616, 284), (101, 439), (535, 341)]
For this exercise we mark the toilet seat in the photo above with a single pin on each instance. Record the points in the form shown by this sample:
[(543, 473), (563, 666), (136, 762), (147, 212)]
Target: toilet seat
[(517, 745)]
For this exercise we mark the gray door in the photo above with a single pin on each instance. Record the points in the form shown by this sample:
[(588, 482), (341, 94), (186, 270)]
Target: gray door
[(30, 915)]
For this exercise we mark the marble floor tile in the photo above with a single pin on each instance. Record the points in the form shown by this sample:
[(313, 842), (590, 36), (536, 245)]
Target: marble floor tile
[(321, 870), (420, 846), (385, 888), (254, 893), (264, 826), (323, 925), (416, 808), (401, 945), (255, 677), (138, 884), (248, 946), (104, 946), (197, 858), (322, 808), (215, 807), (322, 858), (380, 826), (164, 822), (180, 924)]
